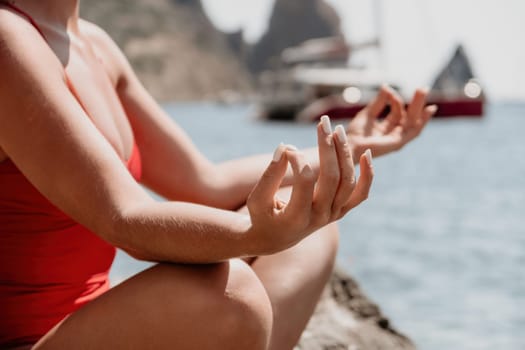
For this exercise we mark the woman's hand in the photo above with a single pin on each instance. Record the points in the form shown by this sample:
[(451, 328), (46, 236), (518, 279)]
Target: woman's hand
[(400, 126), (315, 202)]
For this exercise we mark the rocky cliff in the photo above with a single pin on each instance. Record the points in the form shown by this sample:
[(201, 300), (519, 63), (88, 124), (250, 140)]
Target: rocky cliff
[(174, 48)]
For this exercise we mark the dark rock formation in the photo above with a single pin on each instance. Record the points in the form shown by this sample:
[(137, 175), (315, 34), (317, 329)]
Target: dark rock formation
[(346, 319), (174, 48), (291, 23)]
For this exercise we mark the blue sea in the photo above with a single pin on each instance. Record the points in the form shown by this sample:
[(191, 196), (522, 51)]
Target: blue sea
[(440, 244)]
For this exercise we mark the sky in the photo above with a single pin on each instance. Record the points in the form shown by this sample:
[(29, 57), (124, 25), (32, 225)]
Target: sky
[(418, 35)]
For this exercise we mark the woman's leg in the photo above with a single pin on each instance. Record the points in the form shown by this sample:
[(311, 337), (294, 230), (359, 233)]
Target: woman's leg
[(294, 280), (221, 306)]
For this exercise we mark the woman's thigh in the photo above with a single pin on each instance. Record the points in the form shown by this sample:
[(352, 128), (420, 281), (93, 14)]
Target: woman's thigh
[(220, 306)]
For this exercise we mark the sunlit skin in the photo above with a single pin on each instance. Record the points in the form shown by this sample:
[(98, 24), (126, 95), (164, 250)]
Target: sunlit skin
[(226, 278)]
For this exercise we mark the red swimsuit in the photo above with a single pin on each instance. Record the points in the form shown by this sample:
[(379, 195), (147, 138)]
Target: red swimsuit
[(49, 264)]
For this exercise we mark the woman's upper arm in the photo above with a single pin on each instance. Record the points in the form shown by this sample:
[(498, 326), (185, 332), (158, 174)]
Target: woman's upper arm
[(46, 133)]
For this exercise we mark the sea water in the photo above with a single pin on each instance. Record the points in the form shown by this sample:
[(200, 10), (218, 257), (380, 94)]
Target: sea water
[(440, 243)]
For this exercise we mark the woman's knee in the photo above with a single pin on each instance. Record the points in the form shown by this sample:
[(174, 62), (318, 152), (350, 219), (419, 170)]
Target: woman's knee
[(230, 298), (249, 306)]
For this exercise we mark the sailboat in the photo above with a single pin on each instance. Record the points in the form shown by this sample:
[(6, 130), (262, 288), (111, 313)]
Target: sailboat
[(314, 79)]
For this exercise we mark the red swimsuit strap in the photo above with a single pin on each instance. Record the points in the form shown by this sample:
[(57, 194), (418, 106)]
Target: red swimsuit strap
[(24, 14)]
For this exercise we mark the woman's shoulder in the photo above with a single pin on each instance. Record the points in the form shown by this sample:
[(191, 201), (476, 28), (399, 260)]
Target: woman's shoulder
[(22, 45), (13, 27), (21, 37)]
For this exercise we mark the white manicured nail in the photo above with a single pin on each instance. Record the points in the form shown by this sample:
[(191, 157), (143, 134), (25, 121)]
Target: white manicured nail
[(368, 155), (325, 123), (291, 147), (278, 154), (341, 134)]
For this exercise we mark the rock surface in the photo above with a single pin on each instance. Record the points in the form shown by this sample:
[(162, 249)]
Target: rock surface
[(346, 319)]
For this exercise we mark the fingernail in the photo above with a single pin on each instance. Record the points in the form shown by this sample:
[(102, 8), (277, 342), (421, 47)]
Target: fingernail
[(306, 170), (433, 109), (278, 154), (291, 147), (325, 123), (341, 134), (368, 155)]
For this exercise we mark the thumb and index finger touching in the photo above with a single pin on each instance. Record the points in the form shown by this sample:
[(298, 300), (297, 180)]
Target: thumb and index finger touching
[(263, 194), (304, 186)]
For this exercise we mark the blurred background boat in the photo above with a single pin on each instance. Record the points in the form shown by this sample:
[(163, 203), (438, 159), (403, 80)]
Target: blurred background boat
[(314, 79)]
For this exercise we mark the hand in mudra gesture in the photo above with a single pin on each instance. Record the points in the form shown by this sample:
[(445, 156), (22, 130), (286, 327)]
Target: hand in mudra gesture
[(316, 200), (400, 126)]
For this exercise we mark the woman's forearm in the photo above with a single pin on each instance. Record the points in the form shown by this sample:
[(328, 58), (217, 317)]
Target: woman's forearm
[(180, 232)]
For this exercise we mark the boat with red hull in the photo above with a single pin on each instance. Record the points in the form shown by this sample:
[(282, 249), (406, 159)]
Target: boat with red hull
[(305, 91), (447, 108)]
